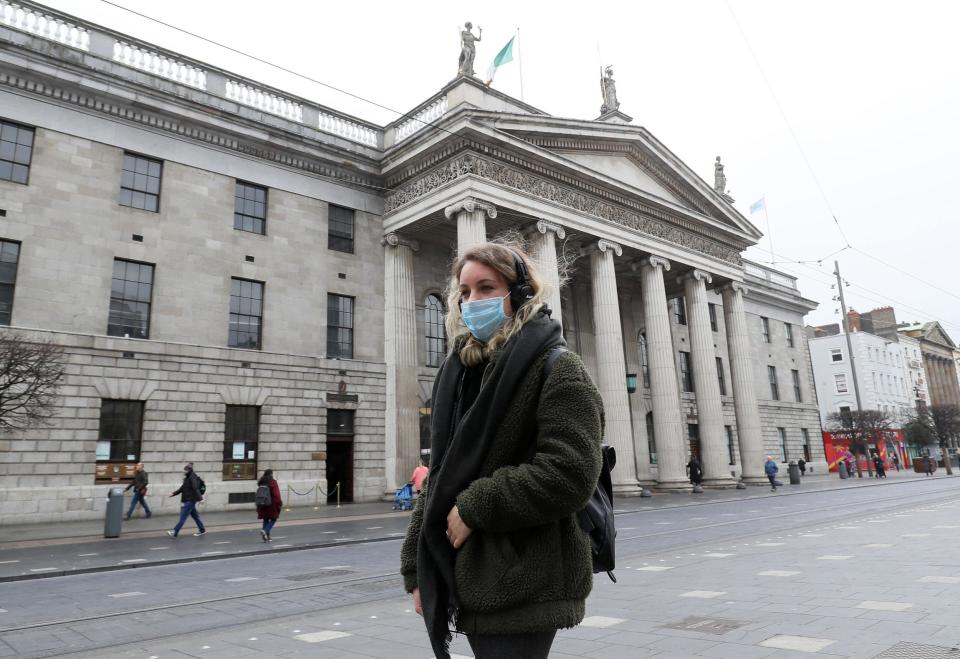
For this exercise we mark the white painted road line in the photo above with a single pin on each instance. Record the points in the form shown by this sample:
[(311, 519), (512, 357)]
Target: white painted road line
[(6, 562), (877, 545), (135, 560), (811, 535), (778, 573), (934, 579), (717, 555), (704, 594), (239, 579), (93, 554), (833, 558), (654, 568), (770, 544), (212, 553), (222, 542), (43, 569), (130, 594)]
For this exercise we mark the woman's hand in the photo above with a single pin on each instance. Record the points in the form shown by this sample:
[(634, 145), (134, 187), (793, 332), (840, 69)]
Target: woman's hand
[(457, 531), (416, 602)]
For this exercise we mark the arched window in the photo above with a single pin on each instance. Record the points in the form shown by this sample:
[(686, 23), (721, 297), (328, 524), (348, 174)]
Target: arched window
[(651, 440), (569, 319), (436, 335), (644, 364)]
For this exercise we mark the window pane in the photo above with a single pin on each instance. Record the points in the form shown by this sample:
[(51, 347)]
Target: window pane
[(15, 152), (140, 183), (130, 299), (246, 310)]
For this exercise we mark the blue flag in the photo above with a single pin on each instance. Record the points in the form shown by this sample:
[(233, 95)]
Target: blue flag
[(760, 205)]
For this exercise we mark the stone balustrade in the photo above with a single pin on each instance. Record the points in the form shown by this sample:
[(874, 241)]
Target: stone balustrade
[(256, 98), (159, 65), (423, 117), (351, 130), (29, 19)]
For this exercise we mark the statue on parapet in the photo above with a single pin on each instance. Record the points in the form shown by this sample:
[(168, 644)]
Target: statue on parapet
[(468, 49), (719, 178), (608, 87)]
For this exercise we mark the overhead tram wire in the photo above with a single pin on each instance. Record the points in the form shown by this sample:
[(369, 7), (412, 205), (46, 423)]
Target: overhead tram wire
[(279, 67)]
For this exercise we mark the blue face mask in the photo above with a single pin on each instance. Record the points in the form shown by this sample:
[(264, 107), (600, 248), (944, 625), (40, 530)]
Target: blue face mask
[(484, 317)]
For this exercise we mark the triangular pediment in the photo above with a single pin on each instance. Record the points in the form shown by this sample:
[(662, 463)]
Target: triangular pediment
[(934, 333), (626, 170)]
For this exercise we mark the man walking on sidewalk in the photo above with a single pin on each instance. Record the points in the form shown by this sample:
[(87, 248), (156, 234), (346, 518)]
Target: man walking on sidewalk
[(139, 486), (191, 493), (771, 470)]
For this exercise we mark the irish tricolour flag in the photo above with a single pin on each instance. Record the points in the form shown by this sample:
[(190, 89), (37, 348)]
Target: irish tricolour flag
[(505, 55)]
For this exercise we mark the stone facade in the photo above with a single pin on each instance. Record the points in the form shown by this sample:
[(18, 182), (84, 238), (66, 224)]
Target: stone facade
[(634, 226)]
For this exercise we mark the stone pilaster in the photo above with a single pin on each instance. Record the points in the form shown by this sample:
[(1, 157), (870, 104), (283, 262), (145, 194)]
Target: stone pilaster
[(714, 456), (668, 428), (472, 217), (543, 245), (611, 368), (749, 434), (402, 427)]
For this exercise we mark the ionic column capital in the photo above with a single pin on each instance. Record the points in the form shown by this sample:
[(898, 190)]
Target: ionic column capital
[(396, 240), (696, 275), (470, 204), (603, 246), (542, 226), (656, 262), (734, 287)]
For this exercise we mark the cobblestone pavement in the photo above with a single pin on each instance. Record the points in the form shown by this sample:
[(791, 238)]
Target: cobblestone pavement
[(864, 572)]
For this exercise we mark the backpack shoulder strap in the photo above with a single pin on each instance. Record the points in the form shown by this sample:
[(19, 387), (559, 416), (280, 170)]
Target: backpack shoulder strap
[(552, 358)]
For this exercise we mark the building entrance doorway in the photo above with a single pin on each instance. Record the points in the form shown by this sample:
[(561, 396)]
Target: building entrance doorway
[(339, 455)]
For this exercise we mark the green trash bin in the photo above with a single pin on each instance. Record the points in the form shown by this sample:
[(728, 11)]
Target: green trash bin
[(113, 517)]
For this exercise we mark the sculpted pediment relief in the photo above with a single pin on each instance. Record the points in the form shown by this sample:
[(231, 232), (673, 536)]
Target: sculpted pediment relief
[(936, 335), (626, 170)]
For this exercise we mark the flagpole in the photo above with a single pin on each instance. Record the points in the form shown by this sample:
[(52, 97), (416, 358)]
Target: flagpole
[(769, 233), (520, 63)]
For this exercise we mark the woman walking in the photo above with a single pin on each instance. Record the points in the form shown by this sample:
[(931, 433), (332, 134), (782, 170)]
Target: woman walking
[(493, 549), (271, 511)]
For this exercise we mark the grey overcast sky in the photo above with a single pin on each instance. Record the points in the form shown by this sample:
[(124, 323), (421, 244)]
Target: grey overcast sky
[(869, 88)]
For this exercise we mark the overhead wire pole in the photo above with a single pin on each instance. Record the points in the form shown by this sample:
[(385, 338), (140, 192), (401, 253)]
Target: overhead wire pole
[(520, 63), (853, 360)]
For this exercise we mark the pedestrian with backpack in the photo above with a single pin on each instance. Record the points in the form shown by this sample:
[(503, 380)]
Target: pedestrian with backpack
[(770, 468), (494, 548), (191, 493), (268, 502)]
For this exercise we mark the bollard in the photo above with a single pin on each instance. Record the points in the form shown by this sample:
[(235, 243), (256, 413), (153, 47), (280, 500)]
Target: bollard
[(842, 470), (113, 515), (794, 469), (338, 495)]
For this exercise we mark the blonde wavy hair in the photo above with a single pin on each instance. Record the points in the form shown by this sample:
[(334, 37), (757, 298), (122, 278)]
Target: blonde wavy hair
[(498, 255)]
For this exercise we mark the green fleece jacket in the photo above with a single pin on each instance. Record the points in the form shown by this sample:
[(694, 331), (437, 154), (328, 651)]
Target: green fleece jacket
[(527, 566)]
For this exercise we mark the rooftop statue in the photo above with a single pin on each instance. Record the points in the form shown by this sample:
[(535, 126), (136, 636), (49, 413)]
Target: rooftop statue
[(719, 178), (608, 87), (468, 51)]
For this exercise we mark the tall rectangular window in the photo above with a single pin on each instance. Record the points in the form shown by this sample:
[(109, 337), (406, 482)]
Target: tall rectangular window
[(797, 392), (765, 328), (340, 225), (121, 426), (644, 362), (806, 444), (436, 335), (16, 151), (339, 326), (686, 371), (720, 379), (712, 310), (240, 442), (9, 258), (250, 208), (782, 435), (246, 314), (693, 439), (731, 445), (140, 182), (130, 295), (774, 387), (680, 310), (788, 329), (651, 439)]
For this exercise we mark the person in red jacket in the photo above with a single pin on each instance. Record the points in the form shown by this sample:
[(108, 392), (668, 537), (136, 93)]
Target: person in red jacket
[(269, 514)]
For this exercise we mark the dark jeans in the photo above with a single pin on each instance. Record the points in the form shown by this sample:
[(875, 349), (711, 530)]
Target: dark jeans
[(268, 525), (188, 509), (773, 480), (534, 645), (142, 500)]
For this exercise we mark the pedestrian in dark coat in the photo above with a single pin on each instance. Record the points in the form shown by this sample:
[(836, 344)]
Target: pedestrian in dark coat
[(802, 464), (190, 497), (139, 487), (493, 549), (269, 514), (696, 472), (770, 469)]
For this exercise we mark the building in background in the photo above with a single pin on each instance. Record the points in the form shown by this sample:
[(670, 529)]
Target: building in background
[(938, 352), (245, 279)]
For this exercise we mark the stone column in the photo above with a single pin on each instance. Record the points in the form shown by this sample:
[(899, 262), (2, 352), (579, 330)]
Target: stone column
[(749, 431), (668, 429), (612, 371), (400, 354), (544, 248), (714, 456), (471, 221), (933, 379)]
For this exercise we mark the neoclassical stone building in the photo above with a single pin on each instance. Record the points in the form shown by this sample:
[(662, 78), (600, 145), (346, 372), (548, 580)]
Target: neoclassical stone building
[(245, 279)]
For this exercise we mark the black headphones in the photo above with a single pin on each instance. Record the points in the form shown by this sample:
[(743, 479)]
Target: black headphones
[(521, 291)]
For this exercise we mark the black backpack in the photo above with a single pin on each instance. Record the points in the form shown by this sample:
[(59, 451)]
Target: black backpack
[(596, 518), (262, 498)]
